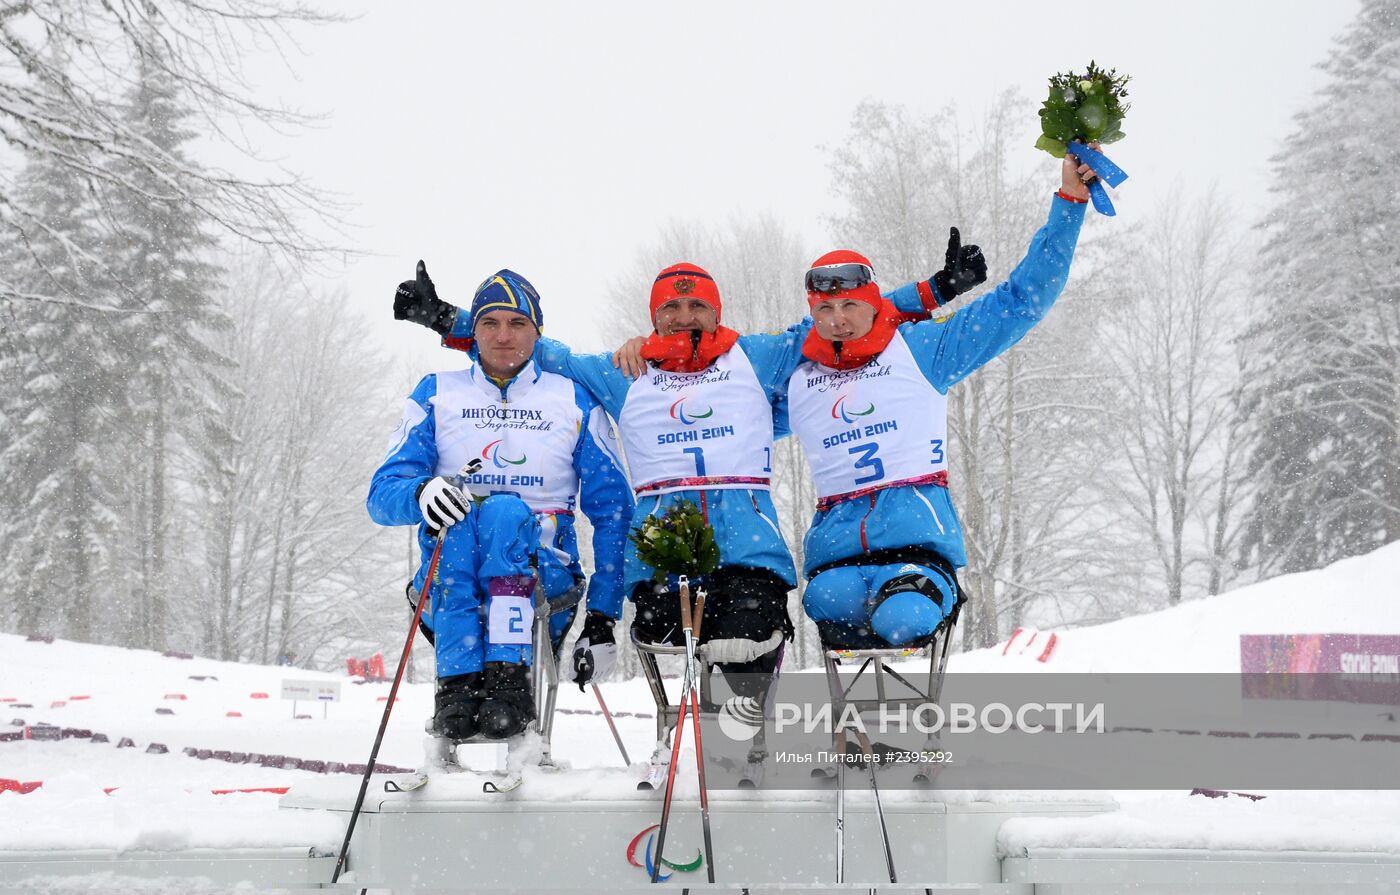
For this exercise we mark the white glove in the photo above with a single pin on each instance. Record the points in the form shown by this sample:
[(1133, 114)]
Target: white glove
[(595, 651), (442, 503)]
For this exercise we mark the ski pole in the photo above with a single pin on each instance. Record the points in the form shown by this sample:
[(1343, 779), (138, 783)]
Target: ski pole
[(389, 706), (691, 641), (879, 809), (841, 806), (470, 468), (607, 716), (684, 597)]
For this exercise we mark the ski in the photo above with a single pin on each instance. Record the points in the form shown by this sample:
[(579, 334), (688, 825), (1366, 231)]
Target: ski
[(655, 776), (439, 757), (752, 778), (751, 774), (656, 770), (508, 783), (926, 772), (407, 783)]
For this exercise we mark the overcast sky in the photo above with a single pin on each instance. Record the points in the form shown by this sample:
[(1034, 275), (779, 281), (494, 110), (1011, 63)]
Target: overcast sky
[(555, 139)]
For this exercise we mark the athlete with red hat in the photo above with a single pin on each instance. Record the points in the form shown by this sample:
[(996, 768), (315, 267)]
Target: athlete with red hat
[(698, 426), (868, 402)]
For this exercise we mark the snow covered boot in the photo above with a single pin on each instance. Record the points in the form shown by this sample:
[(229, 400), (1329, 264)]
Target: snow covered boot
[(509, 705), (439, 756), (456, 706)]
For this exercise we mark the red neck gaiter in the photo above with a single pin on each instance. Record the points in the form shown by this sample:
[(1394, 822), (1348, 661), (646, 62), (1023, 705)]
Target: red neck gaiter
[(856, 352), (677, 353)]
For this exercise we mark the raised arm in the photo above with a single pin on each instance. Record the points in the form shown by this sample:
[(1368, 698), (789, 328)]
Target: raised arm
[(950, 350)]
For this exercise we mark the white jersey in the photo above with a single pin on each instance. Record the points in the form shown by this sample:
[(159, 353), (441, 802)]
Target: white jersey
[(526, 444), (711, 429), (877, 426)]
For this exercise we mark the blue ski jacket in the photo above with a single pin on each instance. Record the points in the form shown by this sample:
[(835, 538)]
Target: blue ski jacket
[(593, 470), (745, 521), (948, 350)]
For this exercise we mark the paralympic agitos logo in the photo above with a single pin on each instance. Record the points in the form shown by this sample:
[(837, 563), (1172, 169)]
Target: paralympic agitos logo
[(689, 417), (492, 452), (844, 410), (687, 867)]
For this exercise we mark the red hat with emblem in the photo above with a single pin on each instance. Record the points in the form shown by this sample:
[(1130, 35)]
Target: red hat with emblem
[(685, 281), (827, 274)]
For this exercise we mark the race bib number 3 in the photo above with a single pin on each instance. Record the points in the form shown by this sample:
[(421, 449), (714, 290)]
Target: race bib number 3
[(508, 620)]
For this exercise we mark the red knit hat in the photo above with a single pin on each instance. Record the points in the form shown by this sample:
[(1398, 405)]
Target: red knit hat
[(869, 293), (685, 281)]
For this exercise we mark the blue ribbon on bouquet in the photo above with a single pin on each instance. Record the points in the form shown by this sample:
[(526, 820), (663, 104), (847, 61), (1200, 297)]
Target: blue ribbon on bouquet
[(1108, 173)]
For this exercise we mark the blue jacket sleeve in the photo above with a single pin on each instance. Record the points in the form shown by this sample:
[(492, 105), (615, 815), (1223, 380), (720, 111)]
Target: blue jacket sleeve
[(950, 349), (918, 297), (410, 461), (595, 372), (774, 356), (461, 328), (606, 499)]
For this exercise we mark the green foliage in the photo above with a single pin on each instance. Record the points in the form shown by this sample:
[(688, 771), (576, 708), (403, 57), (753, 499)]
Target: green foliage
[(678, 542), (1088, 107)]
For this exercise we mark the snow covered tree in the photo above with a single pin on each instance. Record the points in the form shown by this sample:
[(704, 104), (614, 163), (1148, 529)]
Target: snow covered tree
[(1323, 390), (290, 561), (65, 67), (158, 249), (62, 413), (1168, 337)]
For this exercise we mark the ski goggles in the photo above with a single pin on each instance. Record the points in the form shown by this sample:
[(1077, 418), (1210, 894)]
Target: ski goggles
[(839, 278)]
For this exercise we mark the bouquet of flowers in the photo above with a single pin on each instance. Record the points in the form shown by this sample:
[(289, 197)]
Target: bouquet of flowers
[(678, 542), (1087, 108), (1082, 109)]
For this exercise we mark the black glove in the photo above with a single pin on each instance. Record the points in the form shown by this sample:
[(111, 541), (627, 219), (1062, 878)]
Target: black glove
[(417, 300), (595, 652), (964, 268)]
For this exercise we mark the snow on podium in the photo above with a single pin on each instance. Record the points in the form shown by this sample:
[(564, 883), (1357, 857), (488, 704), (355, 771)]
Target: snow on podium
[(551, 828), (590, 828)]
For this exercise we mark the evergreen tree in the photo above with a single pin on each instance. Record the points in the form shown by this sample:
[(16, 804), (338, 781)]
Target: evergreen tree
[(1324, 394), (61, 410), (160, 250)]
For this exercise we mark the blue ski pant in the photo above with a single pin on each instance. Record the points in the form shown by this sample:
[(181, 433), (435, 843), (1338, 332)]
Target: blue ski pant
[(479, 602), (847, 595)]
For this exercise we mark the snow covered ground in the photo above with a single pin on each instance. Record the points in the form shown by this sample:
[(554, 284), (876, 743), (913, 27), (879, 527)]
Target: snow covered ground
[(165, 801), (1360, 595)]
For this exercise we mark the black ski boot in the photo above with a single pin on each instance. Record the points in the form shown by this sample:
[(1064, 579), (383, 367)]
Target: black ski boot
[(509, 705), (456, 706)]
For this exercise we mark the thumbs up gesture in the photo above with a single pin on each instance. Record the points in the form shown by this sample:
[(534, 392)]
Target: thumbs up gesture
[(417, 300), (964, 268)]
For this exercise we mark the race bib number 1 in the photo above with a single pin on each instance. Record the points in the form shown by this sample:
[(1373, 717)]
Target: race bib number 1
[(508, 620)]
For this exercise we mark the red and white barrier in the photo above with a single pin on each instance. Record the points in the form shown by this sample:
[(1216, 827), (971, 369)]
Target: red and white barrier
[(1030, 642)]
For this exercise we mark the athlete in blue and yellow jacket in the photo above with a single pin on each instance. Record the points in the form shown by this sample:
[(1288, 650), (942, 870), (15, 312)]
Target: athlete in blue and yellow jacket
[(545, 447)]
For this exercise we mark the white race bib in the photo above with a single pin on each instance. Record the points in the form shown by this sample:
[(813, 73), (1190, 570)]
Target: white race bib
[(871, 427), (526, 445), (713, 427), (509, 619)]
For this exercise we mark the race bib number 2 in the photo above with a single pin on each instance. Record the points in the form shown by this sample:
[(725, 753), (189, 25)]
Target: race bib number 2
[(508, 620)]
